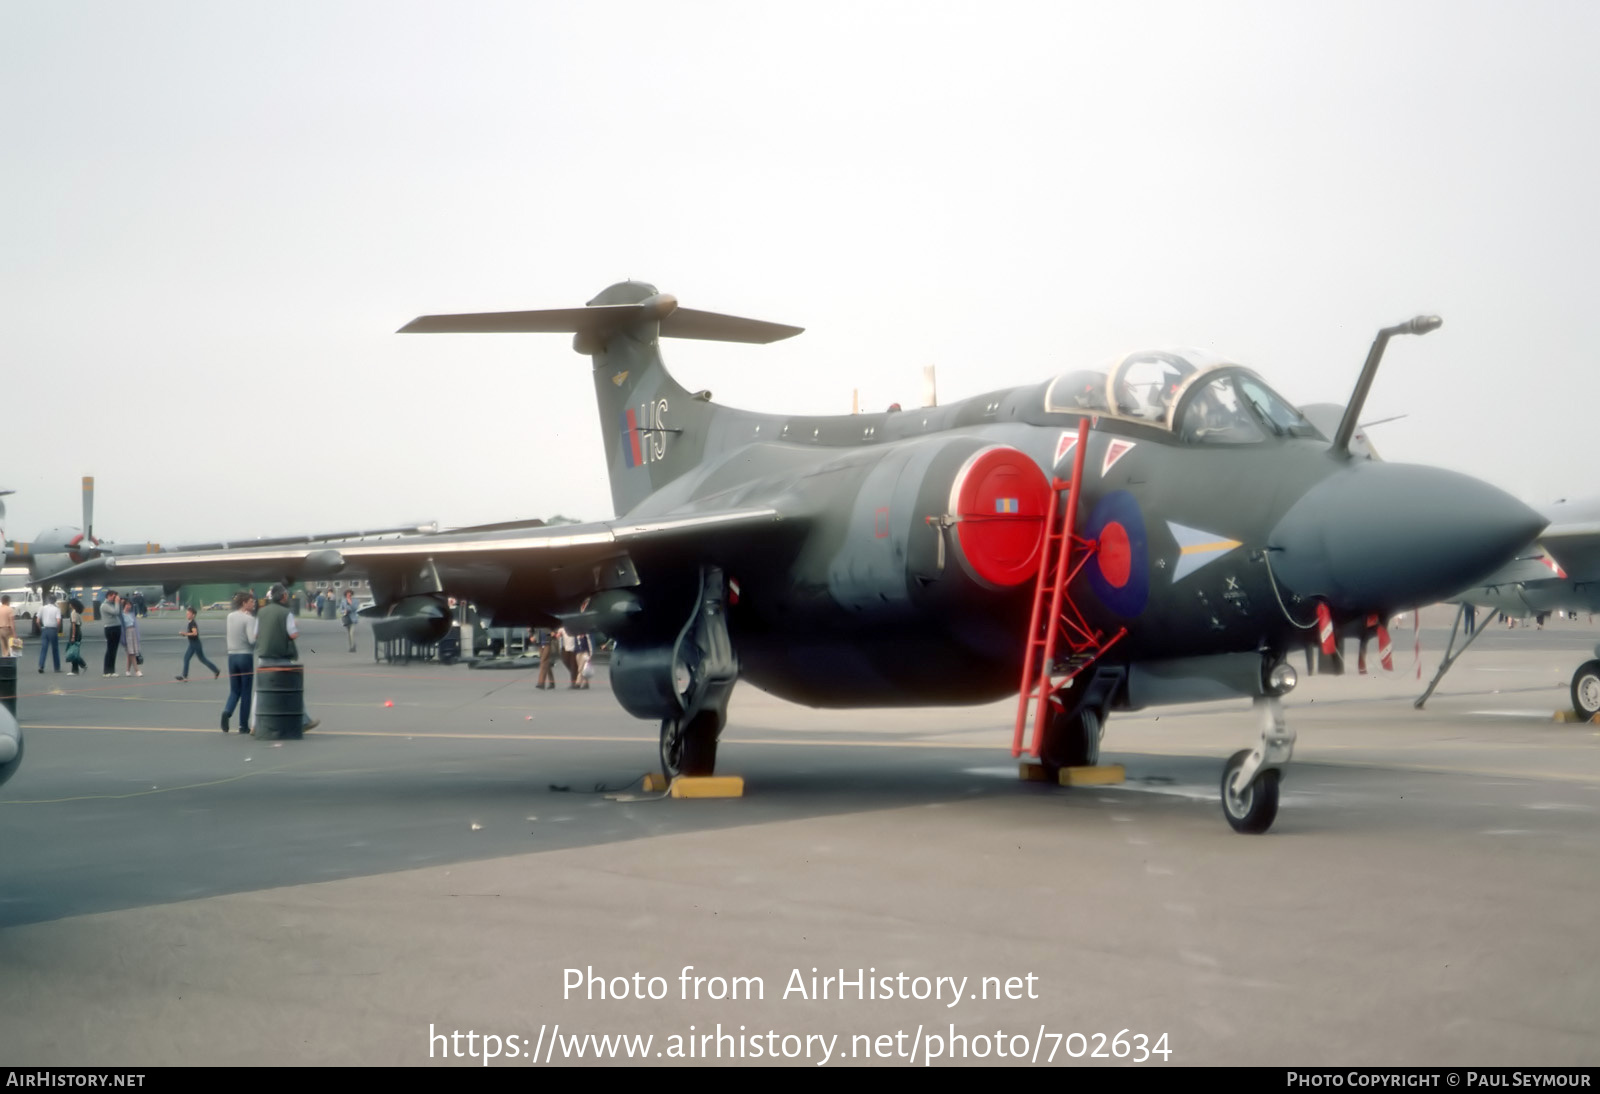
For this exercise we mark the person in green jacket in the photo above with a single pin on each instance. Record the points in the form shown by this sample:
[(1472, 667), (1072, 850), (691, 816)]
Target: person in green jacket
[(275, 640)]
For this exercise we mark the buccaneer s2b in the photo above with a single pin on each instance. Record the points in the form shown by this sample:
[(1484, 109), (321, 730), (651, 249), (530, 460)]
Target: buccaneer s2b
[(1164, 530)]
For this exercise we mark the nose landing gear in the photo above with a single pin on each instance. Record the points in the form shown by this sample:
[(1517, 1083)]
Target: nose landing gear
[(1250, 779)]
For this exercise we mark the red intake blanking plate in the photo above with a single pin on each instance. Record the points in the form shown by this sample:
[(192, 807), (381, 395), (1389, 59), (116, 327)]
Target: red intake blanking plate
[(1003, 499)]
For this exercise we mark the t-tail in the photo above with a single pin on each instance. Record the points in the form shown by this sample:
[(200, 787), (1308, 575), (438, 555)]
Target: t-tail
[(654, 429)]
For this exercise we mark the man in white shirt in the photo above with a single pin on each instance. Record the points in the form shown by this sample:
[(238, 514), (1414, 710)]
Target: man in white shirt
[(50, 633)]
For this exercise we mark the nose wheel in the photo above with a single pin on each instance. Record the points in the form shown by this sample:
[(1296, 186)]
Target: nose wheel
[(1253, 809), (1250, 779)]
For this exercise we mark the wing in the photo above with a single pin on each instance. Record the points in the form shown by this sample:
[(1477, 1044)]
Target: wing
[(516, 572), (1564, 552), (291, 541), (1534, 564), (1576, 548)]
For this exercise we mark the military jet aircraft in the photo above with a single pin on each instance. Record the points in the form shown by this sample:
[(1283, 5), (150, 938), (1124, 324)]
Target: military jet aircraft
[(1559, 572), (945, 555)]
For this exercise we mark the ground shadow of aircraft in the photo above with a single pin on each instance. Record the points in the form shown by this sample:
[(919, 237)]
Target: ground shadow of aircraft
[(1204, 532), (1558, 572)]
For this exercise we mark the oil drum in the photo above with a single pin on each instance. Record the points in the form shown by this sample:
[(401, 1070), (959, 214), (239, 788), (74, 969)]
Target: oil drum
[(280, 702)]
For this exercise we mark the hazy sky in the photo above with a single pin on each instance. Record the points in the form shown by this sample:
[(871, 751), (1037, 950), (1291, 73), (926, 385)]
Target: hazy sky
[(216, 215)]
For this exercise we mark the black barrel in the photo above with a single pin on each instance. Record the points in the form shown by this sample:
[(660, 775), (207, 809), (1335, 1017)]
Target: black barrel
[(280, 702), (8, 684)]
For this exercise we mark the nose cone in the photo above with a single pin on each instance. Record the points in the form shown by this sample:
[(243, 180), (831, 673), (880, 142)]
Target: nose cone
[(1377, 537)]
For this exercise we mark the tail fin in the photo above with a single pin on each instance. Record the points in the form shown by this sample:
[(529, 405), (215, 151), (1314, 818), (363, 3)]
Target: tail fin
[(654, 430)]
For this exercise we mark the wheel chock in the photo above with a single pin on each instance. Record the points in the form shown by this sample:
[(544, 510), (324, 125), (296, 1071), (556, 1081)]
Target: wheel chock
[(708, 786), (655, 782), (1104, 775), (1574, 716)]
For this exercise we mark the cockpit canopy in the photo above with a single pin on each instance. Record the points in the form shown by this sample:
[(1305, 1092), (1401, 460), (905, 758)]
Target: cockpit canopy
[(1200, 397)]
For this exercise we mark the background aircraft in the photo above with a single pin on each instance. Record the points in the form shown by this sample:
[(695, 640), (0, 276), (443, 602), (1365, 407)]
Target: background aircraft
[(1559, 572), (915, 557), (35, 562), (54, 549)]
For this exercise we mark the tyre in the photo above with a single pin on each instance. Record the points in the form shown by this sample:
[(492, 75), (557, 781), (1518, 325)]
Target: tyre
[(1586, 690), (1073, 740), (1254, 810), (690, 747)]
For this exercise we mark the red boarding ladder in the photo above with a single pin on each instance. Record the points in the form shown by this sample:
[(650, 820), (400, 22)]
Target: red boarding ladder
[(1061, 622)]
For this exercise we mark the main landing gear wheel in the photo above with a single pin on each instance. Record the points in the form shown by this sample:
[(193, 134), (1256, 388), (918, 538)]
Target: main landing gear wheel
[(689, 746), (1586, 690), (1254, 810), (1073, 740)]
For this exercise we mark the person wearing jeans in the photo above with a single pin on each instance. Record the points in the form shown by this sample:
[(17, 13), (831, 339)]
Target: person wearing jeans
[(50, 634), (191, 631), (241, 659)]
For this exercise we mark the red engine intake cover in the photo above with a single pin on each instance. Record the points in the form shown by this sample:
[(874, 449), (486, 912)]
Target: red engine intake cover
[(1004, 501)]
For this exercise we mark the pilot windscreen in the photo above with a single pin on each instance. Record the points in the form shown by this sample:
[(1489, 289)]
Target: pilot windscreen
[(1216, 416), (1279, 416)]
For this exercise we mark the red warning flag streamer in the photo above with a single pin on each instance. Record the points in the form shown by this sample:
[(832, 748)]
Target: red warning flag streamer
[(1385, 648), (1325, 627), (1416, 641)]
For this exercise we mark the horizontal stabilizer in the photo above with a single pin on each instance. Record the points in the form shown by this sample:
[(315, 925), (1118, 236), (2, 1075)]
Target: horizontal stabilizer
[(604, 320), (712, 327), (551, 321)]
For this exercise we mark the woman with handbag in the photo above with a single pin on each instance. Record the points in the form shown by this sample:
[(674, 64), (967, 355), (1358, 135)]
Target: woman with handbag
[(74, 653), (130, 638)]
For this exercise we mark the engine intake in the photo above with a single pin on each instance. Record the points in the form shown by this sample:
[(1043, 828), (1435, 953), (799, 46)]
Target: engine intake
[(999, 507)]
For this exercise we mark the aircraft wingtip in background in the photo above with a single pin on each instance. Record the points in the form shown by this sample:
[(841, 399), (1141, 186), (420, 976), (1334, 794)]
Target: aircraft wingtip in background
[(1558, 571)]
